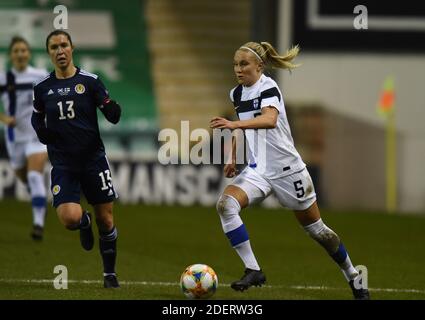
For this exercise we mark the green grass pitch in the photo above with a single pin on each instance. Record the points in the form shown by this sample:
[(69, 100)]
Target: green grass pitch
[(155, 245)]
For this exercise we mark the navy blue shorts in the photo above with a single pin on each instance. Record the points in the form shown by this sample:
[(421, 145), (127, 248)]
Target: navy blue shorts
[(95, 181)]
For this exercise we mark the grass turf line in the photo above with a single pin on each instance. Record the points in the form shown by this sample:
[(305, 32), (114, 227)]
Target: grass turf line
[(156, 243)]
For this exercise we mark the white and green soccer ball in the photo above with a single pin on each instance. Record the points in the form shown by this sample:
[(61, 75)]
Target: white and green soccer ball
[(198, 281)]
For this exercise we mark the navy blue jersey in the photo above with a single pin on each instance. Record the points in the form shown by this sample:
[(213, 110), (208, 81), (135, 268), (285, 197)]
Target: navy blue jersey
[(70, 106)]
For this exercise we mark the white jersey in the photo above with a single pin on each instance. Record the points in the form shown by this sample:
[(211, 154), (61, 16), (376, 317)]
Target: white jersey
[(16, 90), (271, 151)]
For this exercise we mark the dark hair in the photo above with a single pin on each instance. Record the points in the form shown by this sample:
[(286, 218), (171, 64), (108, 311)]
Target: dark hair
[(17, 39), (56, 33)]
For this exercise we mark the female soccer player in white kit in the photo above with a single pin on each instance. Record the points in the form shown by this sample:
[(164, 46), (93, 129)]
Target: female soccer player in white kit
[(27, 155), (274, 165)]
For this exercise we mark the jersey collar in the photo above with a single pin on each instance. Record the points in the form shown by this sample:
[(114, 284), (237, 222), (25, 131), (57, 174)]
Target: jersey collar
[(255, 85), (75, 74)]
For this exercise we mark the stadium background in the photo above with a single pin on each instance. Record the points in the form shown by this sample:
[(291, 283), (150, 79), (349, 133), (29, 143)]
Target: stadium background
[(166, 61)]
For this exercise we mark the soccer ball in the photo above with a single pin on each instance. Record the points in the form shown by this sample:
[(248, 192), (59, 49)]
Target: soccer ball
[(198, 281)]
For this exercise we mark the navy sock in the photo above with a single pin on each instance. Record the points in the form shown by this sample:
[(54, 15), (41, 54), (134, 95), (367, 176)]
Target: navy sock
[(108, 249)]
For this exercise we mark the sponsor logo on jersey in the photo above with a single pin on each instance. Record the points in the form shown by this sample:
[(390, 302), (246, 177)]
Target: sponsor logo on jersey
[(64, 91), (255, 102), (50, 92), (56, 189), (80, 88)]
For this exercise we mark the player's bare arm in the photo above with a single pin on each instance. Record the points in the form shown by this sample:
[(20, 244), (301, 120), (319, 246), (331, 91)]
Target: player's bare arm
[(7, 120), (267, 120), (230, 168)]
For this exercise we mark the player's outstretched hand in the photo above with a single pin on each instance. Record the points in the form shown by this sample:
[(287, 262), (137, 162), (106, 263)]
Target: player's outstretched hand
[(230, 170), (12, 122), (112, 111), (222, 123), (7, 120)]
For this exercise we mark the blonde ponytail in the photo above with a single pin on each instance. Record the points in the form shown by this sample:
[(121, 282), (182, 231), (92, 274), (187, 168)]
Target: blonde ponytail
[(270, 56)]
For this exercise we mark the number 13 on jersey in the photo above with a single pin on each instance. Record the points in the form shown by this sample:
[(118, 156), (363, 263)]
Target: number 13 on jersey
[(70, 113)]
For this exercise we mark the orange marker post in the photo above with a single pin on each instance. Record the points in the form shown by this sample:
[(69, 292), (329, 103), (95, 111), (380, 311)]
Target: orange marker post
[(386, 108)]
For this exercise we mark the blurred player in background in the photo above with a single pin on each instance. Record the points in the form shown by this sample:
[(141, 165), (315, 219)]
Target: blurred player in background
[(65, 118), (27, 155), (274, 165)]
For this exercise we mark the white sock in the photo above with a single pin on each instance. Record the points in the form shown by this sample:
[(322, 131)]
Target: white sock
[(38, 196), (38, 214), (348, 269), (247, 255), (228, 208)]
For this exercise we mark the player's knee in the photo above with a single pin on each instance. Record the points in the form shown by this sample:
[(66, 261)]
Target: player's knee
[(71, 222), (227, 205), (325, 236), (69, 217), (36, 183), (104, 223)]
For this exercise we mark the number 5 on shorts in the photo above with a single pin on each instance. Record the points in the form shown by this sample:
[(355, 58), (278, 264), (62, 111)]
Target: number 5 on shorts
[(299, 188)]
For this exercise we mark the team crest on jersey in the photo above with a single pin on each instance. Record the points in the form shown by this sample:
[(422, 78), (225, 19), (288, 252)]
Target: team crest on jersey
[(80, 88), (64, 91), (56, 189), (255, 102)]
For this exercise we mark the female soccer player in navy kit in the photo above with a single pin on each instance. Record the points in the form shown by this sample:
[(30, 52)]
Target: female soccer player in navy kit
[(274, 165), (65, 119), (27, 155)]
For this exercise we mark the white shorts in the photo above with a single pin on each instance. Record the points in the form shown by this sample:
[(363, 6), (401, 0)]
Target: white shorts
[(295, 191), (20, 151)]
